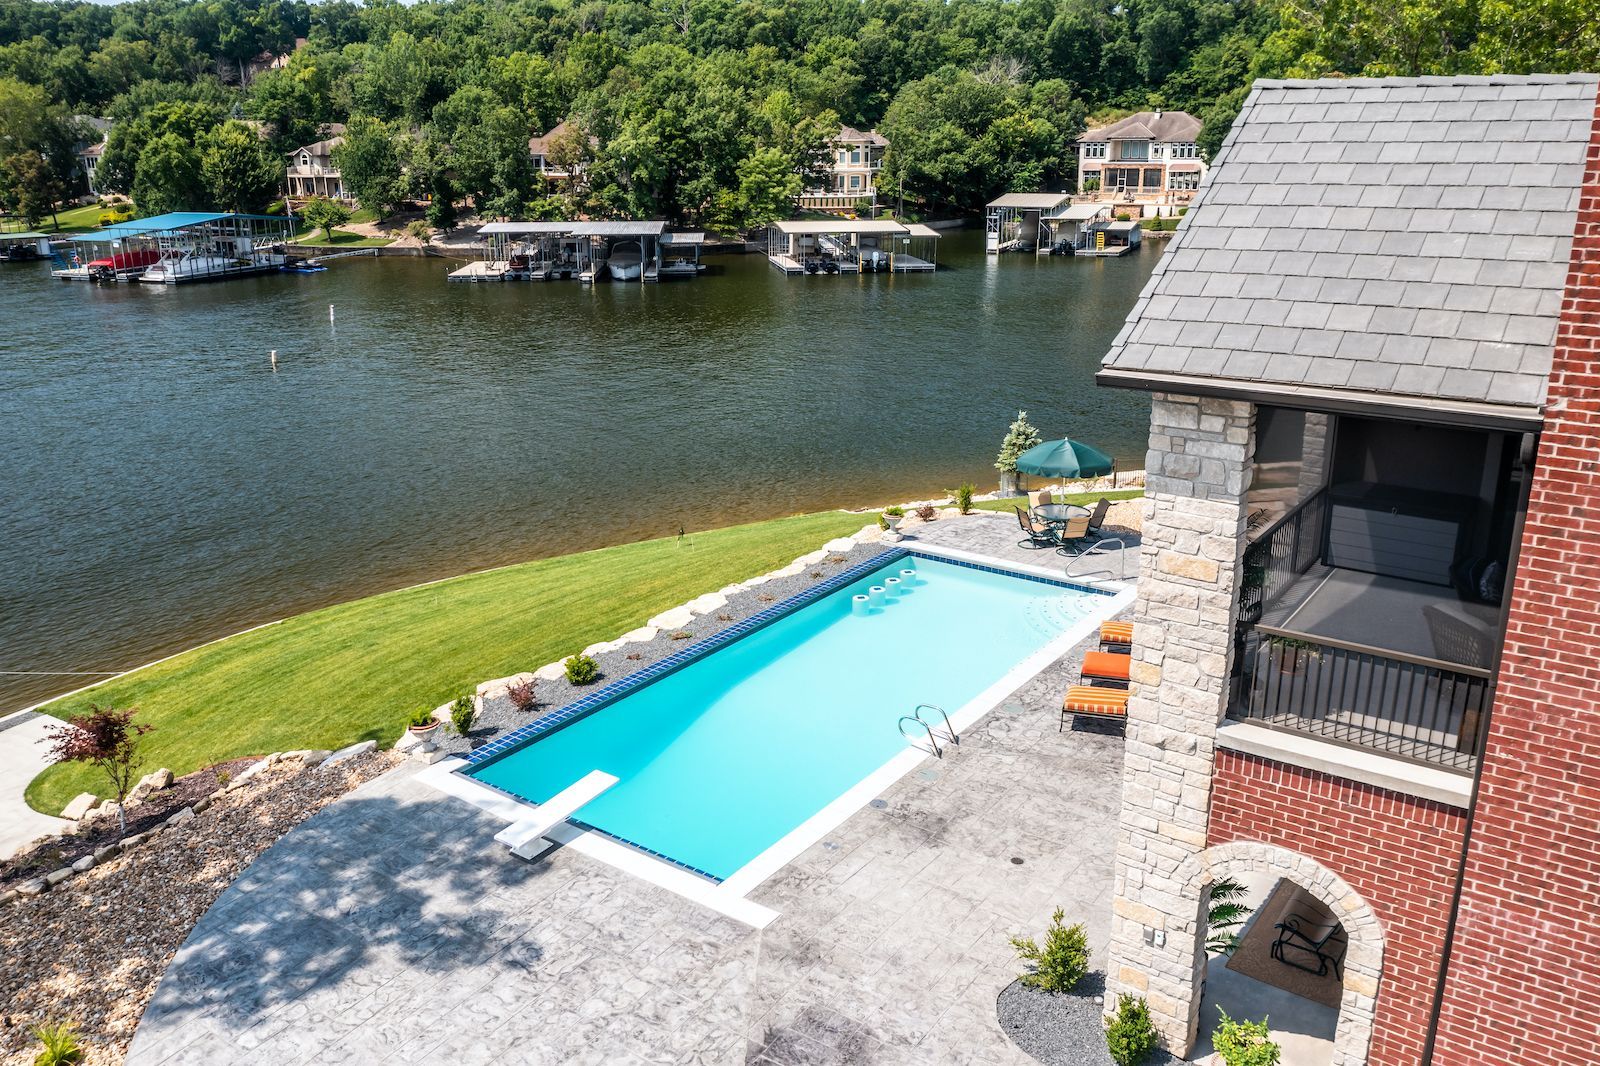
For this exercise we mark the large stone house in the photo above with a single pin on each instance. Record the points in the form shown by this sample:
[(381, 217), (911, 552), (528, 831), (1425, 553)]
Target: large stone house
[(1147, 158), (1367, 626), (855, 160)]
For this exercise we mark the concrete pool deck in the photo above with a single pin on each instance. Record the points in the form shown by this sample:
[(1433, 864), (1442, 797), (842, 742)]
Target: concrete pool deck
[(391, 928)]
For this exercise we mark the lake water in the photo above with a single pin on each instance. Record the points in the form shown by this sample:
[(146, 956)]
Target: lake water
[(161, 486)]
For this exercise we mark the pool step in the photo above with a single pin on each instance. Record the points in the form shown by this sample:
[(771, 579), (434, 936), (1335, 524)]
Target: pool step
[(526, 838)]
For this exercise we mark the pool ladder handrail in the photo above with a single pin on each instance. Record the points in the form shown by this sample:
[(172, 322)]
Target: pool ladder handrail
[(1099, 547), (949, 734)]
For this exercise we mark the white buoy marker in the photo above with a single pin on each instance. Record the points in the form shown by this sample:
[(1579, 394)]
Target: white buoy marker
[(274, 358)]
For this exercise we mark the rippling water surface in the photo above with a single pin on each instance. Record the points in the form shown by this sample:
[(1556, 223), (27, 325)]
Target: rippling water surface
[(160, 485)]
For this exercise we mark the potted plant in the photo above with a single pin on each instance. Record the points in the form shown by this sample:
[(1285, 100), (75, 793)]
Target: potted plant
[(423, 725), (891, 519)]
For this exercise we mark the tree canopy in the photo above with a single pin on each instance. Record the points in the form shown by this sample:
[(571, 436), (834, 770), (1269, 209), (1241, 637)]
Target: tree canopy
[(693, 110)]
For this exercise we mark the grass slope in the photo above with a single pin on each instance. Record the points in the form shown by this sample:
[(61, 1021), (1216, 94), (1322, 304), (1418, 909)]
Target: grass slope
[(354, 671)]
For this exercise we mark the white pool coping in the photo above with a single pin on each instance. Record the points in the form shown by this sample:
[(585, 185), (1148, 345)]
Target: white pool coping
[(729, 898)]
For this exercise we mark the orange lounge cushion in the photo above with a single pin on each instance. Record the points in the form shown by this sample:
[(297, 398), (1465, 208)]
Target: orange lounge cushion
[(1107, 664), (1116, 632), (1087, 699)]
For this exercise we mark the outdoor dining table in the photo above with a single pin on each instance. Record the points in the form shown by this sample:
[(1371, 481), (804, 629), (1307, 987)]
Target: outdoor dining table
[(1059, 513)]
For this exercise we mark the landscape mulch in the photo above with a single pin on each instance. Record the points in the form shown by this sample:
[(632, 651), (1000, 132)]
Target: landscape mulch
[(92, 950)]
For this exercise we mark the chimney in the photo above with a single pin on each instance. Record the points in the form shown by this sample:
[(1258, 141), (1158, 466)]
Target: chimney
[(1158, 116)]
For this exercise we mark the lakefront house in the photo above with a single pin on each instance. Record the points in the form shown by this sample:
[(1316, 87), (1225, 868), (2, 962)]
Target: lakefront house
[(1366, 628), (1149, 158), (856, 158), (312, 171)]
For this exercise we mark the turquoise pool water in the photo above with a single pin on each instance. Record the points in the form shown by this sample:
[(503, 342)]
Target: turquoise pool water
[(721, 758)]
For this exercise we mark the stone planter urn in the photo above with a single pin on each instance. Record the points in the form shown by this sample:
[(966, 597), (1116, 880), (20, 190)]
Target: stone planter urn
[(425, 734), (893, 522)]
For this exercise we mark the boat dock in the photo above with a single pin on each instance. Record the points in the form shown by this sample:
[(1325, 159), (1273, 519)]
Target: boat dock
[(621, 250), (24, 247), (180, 247), (852, 246)]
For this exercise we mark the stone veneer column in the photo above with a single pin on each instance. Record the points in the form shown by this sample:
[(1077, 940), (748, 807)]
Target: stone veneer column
[(1197, 472)]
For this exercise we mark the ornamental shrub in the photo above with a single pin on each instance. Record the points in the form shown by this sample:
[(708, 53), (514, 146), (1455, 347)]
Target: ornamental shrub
[(963, 495), (462, 712), (59, 1044), (1019, 438), (927, 512), (890, 512), (1061, 963), (421, 719), (1131, 1036), (1245, 1043), (582, 669), (522, 696)]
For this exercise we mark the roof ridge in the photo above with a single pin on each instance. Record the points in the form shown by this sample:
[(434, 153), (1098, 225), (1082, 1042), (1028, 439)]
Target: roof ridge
[(1576, 78)]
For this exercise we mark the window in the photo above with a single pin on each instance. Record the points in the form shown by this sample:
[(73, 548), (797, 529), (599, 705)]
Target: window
[(844, 157), (855, 156), (855, 181), (1184, 179), (1133, 150), (1182, 151), (1152, 177), (1094, 151)]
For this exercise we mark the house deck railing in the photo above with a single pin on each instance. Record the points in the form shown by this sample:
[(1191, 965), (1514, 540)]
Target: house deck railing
[(1406, 706)]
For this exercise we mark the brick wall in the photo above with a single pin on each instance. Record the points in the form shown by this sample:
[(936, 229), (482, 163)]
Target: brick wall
[(1524, 981), (1399, 853)]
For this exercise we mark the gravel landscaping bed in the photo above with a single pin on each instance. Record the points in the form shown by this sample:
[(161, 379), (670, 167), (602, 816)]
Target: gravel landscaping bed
[(1062, 1030), (52, 853), (92, 950), (552, 695)]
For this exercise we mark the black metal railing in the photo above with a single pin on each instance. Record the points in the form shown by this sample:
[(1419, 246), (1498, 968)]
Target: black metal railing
[(1279, 554), (1406, 706)]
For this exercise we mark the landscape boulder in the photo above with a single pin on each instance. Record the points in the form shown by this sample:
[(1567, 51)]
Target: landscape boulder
[(157, 779), (81, 805)]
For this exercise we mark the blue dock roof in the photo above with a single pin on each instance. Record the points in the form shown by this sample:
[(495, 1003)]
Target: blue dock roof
[(167, 223)]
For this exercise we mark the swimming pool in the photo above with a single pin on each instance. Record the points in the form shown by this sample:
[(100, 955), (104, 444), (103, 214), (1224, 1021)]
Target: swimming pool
[(725, 749)]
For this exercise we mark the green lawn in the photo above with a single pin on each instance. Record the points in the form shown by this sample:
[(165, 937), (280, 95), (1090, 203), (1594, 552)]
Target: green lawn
[(1075, 497), (76, 220), (341, 239), (354, 671)]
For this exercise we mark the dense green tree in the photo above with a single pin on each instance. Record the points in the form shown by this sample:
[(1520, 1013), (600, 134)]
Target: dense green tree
[(241, 173), (372, 162), (325, 214), (168, 176), (30, 188)]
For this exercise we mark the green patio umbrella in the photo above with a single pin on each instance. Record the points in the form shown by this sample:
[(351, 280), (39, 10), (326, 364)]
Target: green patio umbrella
[(1066, 459)]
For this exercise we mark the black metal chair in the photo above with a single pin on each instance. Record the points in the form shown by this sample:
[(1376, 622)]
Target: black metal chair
[(1322, 940), (1039, 536), (1098, 517)]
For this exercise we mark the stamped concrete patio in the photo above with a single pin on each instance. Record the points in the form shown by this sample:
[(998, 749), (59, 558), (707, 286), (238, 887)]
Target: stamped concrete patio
[(391, 928)]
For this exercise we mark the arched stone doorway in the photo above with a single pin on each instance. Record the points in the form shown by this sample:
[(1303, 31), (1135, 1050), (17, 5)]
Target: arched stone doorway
[(1363, 963)]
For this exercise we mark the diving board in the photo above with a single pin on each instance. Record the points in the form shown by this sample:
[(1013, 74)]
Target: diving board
[(525, 837)]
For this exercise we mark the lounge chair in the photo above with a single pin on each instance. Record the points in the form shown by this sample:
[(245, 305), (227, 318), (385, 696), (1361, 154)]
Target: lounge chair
[(1098, 517), (1089, 701), (1116, 637), (1322, 940), (1071, 536), (1039, 536), (1106, 669)]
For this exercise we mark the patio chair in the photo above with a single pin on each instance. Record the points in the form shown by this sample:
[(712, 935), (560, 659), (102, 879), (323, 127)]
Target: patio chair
[(1039, 536), (1311, 939), (1040, 498), (1116, 637), (1098, 517), (1106, 669), (1089, 701), (1071, 536)]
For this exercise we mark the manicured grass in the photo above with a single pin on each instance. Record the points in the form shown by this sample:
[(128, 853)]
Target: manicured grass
[(1075, 497), (354, 671), (340, 239), (76, 220)]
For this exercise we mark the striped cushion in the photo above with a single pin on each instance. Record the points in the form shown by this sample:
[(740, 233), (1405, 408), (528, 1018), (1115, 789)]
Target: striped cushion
[(1106, 664), (1116, 632), (1087, 699)]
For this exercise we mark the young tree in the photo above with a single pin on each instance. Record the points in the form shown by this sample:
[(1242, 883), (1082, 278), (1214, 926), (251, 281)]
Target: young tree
[(29, 187), (372, 165), (1019, 438), (325, 214), (106, 738), (239, 172)]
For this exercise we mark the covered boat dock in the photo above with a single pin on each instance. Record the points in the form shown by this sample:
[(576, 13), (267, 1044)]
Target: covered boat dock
[(180, 247), (23, 247), (622, 250), (1015, 222), (852, 246)]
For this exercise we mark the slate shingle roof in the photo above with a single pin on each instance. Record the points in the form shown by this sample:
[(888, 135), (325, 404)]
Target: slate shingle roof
[(1406, 237)]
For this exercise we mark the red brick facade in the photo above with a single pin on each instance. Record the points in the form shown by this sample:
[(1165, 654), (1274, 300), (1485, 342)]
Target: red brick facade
[(1523, 987), (1400, 853)]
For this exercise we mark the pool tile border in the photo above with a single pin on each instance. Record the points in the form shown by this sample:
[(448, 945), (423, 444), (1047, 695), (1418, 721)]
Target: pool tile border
[(586, 705)]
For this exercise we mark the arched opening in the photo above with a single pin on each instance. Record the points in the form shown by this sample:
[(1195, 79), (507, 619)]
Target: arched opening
[(1319, 1017)]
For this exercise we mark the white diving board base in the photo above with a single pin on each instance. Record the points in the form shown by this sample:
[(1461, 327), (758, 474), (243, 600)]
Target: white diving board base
[(525, 838)]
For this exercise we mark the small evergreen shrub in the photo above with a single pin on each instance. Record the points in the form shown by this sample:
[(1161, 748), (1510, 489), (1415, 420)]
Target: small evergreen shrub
[(582, 670), (59, 1044), (963, 496), (1131, 1036), (462, 712), (1245, 1043), (1123, 216), (1061, 963)]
